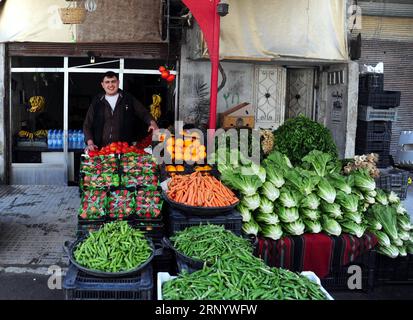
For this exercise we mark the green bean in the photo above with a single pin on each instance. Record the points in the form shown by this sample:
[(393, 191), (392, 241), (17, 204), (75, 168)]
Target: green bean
[(115, 247)]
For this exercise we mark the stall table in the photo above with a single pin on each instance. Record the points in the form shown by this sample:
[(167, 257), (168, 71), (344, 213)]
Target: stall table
[(320, 253)]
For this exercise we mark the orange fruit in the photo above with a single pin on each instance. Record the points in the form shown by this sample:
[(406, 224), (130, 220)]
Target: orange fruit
[(187, 157), (196, 143), (178, 156), (202, 148), (187, 143), (180, 168), (195, 158), (202, 155), (195, 135), (170, 141), (179, 142)]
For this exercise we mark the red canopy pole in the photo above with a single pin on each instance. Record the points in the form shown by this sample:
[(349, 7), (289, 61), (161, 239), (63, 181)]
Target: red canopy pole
[(205, 13)]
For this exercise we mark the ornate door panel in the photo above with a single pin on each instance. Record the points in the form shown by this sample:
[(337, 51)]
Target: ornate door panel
[(269, 96), (300, 88)]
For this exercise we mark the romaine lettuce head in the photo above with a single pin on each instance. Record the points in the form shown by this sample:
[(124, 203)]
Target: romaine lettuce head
[(274, 232), (295, 228), (246, 184), (390, 251), (266, 205), (326, 191), (311, 201), (403, 222), (287, 215), (382, 238), (333, 210), (289, 198), (274, 175), (251, 227), (393, 198), (270, 191), (363, 180), (348, 202), (252, 202), (387, 216), (312, 226), (381, 197), (356, 217), (245, 212), (309, 214), (267, 218), (330, 226), (339, 182), (351, 227)]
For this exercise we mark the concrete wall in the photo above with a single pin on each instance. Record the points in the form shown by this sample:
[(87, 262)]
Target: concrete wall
[(238, 86), (2, 112), (338, 106)]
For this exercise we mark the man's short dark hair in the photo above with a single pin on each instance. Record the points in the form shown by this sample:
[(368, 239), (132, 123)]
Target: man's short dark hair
[(110, 74)]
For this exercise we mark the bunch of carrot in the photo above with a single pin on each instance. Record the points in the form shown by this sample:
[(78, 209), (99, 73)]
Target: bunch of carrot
[(200, 190)]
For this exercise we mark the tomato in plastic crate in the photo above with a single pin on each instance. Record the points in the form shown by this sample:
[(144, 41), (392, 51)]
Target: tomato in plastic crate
[(121, 203), (93, 205)]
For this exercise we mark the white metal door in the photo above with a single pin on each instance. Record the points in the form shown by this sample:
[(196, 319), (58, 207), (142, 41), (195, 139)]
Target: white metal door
[(300, 88), (269, 96)]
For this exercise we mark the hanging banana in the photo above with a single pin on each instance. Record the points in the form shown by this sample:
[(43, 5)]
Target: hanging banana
[(26, 134), (156, 106), (37, 103), (40, 133)]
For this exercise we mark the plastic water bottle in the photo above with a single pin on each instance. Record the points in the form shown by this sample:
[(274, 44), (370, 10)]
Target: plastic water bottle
[(71, 135), (49, 138), (52, 139), (59, 139), (80, 140)]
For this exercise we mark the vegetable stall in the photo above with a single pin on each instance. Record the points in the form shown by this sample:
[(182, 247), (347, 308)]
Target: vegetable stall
[(228, 230)]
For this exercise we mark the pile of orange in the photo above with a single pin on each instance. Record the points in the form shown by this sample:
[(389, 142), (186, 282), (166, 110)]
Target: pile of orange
[(188, 149)]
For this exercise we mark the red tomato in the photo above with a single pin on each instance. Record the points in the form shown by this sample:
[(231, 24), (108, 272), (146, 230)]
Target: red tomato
[(165, 75), (125, 144), (170, 78), (162, 69)]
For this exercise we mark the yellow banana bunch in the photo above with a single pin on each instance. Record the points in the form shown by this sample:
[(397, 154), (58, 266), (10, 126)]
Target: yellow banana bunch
[(40, 133), (26, 134), (156, 106), (37, 103)]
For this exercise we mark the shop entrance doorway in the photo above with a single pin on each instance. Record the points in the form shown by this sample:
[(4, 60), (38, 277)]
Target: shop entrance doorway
[(48, 141)]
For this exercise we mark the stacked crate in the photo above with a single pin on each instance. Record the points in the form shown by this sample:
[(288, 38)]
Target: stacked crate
[(376, 112)]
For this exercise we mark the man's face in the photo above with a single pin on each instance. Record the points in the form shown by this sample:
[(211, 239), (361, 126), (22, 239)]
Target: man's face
[(110, 85)]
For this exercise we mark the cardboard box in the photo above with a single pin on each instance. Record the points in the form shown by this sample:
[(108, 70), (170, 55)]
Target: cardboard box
[(240, 116)]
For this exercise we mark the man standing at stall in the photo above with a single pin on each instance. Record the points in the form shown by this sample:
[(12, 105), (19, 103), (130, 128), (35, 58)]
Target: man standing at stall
[(114, 116)]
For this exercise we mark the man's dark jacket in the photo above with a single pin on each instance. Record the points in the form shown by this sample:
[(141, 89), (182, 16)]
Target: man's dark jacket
[(126, 123)]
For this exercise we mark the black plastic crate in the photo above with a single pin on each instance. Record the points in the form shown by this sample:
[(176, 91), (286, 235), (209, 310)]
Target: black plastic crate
[(154, 229), (84, 227), (379, 147), (178, 221), (373, 131), (374, 126), (380, 100), (338, 279), (394, 270), (372, 82), (78, 285), (395, 180), (165, 262), (187, 265)]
